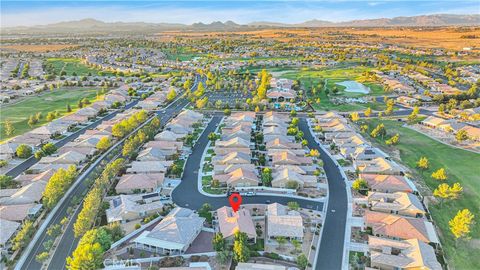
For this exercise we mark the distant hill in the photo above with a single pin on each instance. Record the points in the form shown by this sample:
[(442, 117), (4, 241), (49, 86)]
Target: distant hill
[(95, 26), (424, 20)]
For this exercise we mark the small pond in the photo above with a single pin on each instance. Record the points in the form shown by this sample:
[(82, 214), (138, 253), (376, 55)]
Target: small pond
[(354, 87)]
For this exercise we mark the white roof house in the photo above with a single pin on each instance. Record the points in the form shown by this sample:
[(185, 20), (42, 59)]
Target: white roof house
[(280, 221), (131, 207), (174, 234), (258, 266), (149, 166), (8, 229)]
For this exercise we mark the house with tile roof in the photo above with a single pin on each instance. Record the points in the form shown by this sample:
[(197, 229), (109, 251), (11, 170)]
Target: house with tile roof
[(400, 203), (173, 235), (399, 227), (282, 222), (388, 183), (19, 212), (403, 254), (9, 228), (378, 165), (258, 266), (240, 177), (125, 208), (281, 178), (146, 182), (229, 222)]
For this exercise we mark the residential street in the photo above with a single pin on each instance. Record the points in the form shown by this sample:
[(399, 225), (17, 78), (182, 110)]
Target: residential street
[(68, 242), (20, 168), (330, 253), (186, 194)]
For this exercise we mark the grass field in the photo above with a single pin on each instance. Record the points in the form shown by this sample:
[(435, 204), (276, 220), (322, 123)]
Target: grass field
[(463, 167), (18, 113), (72, 65), (181, 54), (333, 76)]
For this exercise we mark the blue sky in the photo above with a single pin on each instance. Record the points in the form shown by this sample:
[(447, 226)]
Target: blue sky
[(17, 13)]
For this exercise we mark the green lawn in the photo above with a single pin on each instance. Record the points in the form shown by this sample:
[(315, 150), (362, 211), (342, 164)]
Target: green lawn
[(332, 76), (71, 65), (181, 54), (462, 166), (18, 113)]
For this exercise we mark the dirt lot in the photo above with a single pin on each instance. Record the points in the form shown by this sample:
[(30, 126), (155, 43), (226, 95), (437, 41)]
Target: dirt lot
[(37, 48), (447, 37)]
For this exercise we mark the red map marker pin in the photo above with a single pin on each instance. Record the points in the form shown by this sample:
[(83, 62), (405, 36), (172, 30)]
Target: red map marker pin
[(235, 200)]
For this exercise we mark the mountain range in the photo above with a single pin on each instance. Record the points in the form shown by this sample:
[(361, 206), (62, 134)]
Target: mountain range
[(96, 26)]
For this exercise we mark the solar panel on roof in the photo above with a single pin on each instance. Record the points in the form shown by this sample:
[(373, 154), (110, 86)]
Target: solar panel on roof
[(151, 195)]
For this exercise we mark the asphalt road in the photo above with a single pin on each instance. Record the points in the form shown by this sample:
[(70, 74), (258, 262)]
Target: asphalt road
[(186, 194), (330, 253), (20, 168), (68, 242)]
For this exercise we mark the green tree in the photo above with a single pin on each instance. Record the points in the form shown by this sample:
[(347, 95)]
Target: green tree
[(423, 163), (223, 256), (9, 128), (41, 257), (368, 112), (58, 185), (171, 95), (267, 177), (354, 116), (201, 103), (414, 115), (302, 261), (461, 135), (393, 140), (360, 185), (364, 128), (212, 137), (390, 103), (440, 174), (200, 90), (51, 116), (86, 256), (23, 237), (39, 154), (455, 191), (54, 230), (379, 130), (442, 192), (32, 120), (314, 153), (241, 252), (7, 182), (281, 241), (24, 151), (296, 244), (118, 130), (49, 148), (293, 205), (460, 225), (218, 242), (103, 144)]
